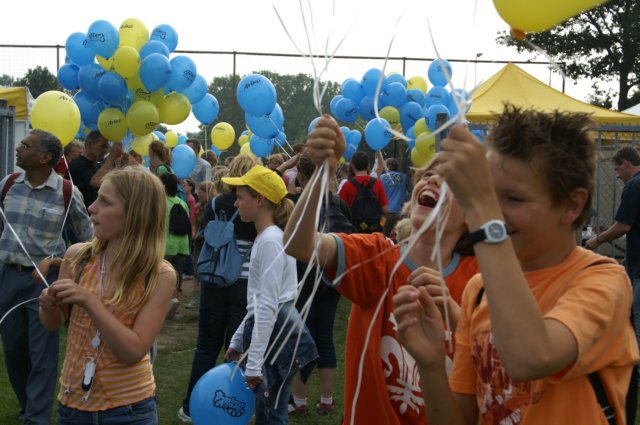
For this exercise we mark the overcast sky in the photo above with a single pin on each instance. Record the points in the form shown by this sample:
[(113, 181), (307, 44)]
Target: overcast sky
[(252, 25)]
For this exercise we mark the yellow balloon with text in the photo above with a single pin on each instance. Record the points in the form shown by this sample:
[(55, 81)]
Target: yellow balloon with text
[(140, 93), (540, 15), (57, 113), (141, 144), (112, 124), (133, 32), (223, 135), (244, 138), (426, 145), (142, 118), (126, 61), (105, 63), (174, 108), (135, 82), (420, 127), (171, 138), (417, 82), (391, 114), (418, 160)]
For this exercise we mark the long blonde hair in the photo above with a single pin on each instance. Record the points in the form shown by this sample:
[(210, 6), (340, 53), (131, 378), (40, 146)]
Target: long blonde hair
[(141, 253)]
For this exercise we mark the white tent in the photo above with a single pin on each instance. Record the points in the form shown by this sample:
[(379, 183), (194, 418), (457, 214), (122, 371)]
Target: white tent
[(634, 110)]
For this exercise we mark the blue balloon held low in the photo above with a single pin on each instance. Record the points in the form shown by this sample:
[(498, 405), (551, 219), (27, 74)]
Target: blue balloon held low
[(334, 103), (183, 73), (160, 136), (207, 109), (88, 78), (439, 72), (103, 38), (79, 50), (155, 71), (433, 113), (68, 76), (222, 397), (112, 89), (280, 139), (260, 147), (154, 46), (196, 91), (165, 34), (349, 151), (355, 137), (377, 133), (256, 95), (182, 139), (312, 125), (183, 159)]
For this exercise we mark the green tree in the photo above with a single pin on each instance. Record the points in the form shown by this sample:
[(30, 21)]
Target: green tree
[(39, 80), (7, 80), (602, 44), (295, 96)]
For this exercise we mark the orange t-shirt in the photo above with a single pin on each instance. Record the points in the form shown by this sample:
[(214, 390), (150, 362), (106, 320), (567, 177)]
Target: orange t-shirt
[(115, 383), (390, 391), (588, 293)]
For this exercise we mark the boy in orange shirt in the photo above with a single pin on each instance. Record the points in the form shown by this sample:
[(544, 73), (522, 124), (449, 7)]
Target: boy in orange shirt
[(544, 314)]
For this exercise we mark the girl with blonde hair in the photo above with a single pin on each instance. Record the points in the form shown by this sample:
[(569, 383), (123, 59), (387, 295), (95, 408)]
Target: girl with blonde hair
[(121, 288)]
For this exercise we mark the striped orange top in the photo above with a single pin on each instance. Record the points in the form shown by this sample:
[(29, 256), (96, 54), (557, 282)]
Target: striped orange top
[(115, 383)]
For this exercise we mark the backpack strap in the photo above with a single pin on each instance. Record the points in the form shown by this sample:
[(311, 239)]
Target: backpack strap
[(67, 189), (355, 182), (7, 186)]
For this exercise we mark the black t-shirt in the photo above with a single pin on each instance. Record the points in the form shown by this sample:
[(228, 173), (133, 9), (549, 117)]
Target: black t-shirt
[(629, 213), (224, 203), (82, 170)]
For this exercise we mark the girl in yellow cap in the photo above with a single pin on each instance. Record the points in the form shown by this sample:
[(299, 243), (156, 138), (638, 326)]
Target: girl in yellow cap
[(271, 292)]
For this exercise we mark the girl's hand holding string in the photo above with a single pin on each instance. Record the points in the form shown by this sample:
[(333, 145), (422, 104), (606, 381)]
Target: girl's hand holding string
[(432, 281), (47, 300), (66, 291)]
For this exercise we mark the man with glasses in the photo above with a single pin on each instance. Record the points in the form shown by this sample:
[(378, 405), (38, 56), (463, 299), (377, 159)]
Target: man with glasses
[(34, 204)]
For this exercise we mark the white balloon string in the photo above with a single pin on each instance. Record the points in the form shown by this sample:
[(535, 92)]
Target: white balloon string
[(16, 306)]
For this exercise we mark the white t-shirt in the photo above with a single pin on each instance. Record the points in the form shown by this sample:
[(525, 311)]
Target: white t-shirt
[(272, 281)]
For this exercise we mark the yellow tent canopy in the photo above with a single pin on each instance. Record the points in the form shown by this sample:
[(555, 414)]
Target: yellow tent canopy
[(20, 98), (511, 84)]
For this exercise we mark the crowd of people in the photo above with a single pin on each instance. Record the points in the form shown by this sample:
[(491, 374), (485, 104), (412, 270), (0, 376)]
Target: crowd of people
[(471, 300)]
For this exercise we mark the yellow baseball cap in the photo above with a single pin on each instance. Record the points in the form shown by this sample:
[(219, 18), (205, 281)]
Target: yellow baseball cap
[(264, 181)]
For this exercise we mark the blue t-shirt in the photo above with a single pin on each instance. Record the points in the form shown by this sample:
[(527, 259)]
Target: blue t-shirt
[(629, 213), (395, 186)]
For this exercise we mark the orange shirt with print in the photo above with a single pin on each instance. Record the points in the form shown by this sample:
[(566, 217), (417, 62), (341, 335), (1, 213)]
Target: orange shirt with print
[(389, 392), (588, 293)]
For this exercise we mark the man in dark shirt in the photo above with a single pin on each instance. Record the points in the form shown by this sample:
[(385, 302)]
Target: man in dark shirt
[(88, 170)]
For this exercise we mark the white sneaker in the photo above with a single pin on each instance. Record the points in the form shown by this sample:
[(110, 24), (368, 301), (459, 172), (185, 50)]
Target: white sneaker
[(184, 418), (173, 306)]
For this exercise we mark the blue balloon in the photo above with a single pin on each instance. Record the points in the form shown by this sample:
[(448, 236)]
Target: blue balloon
[(409, 114), (88, 78), (206, 111), (112, 89), (411, 135), (415, 95), (80, 134), (196, 91), (277, 116), (377, 133), (438, 71), (182, 139), (367, 111), (79, 50), (312, 124), (256, 95), (103, 38), (183, 159), (370, 81), (220, 397), (280, 139), (154, 46), (394, 94), (432, 115), (349, 151), (165, 34), (259, 146), (352, 89), (215, 150), (463, 97), (397, 78), (437, 96), (68, 76), (155, 72), (355, 137), (262, 126), (346, 110), (183, 73), (480, 134), (160, 135), (334, 103), (90, 108)]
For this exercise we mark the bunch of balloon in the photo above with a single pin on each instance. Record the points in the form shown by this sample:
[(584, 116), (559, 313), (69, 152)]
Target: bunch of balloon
[(263, 116)]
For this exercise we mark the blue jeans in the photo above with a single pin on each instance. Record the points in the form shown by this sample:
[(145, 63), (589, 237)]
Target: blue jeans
[(266, 412), (140, 413), (221, 312), (30, 351)]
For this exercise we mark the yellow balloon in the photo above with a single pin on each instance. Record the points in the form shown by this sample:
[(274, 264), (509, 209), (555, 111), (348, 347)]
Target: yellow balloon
[(426, 145), (112, 124), (126, 61), (540, 15), (141, 144), (105, 63), (244, 138), (57, 113), (390, 114), (133, 32), (135, 82), (142, 118), (171, 138), (246, 150), (421, 127), (249, 133), (140, 93), (174, 108), (417, 82), (223, 135), (418, 160)]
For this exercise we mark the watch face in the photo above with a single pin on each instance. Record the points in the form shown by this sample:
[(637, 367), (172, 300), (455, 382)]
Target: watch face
[(495, 231)]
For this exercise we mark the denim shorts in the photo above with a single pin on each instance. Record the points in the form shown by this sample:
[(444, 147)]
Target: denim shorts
[(140, 413)]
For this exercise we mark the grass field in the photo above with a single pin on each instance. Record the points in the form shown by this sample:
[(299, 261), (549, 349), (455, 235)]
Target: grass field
[(173, 366)]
